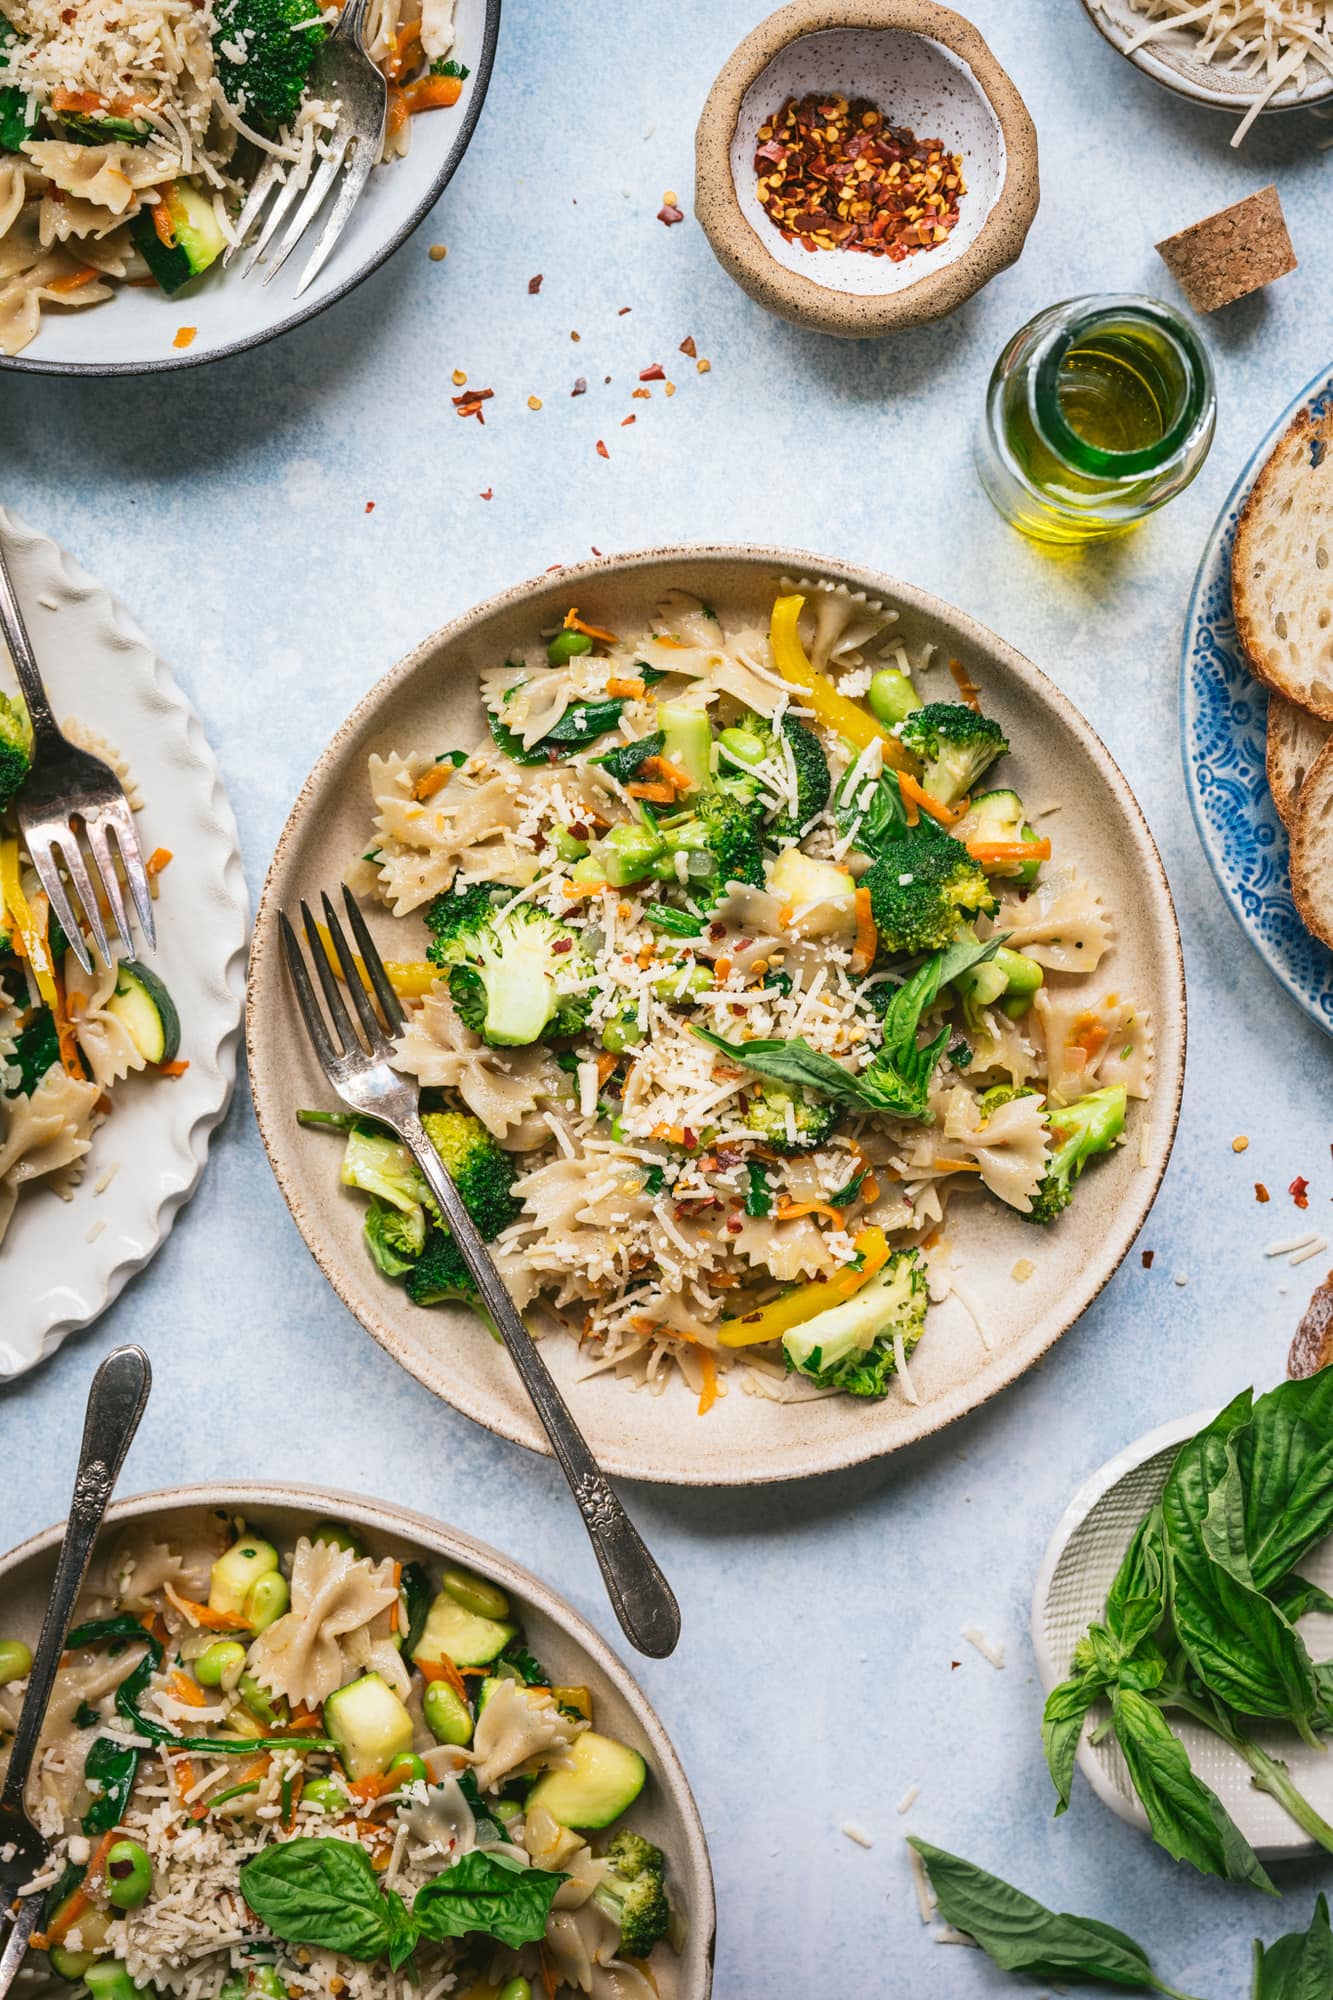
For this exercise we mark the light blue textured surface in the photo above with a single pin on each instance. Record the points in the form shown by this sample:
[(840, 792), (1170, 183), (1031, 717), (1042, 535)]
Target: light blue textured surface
[(815, 1678)]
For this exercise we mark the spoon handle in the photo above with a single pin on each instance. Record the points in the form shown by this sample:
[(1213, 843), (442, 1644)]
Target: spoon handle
[(115, 1405)]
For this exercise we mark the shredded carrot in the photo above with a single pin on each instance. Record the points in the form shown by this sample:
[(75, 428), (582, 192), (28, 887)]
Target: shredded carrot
[(997, 852), (400, 46), (433, 93), (550, 1981), (943, 1166), (75, 1905), (722, 970), (658, 795), (163, 227), (867, 937), (917, 795), (297, 1786), (397, 1587), (791, 1211), (204, 1614), (398, 110), (183, 1776), (967, 687), (366, 1790), (75, 281), (306, 1718), (433, 781), (662, 767), (1089, 1035), (177, 1068), (573, 892), (573, 623), (722, 1281), (443, 1669), (708, 1394), (606, 1062), (673, 1134), (621, 689), (869, 1189), (184, 1689), (157, 860)]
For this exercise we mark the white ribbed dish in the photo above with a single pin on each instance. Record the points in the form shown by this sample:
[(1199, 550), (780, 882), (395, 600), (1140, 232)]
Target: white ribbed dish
[(100, 668), (1070, 1593)]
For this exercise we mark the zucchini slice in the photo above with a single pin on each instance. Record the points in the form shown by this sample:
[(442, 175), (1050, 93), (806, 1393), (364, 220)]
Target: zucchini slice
[(147, 1012)]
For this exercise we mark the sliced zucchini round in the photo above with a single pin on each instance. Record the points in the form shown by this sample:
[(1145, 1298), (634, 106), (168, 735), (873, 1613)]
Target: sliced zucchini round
[(147, 1012), (603, 1781)]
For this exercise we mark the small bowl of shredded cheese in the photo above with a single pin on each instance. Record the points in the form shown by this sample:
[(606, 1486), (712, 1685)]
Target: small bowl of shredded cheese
[(1248, 56)]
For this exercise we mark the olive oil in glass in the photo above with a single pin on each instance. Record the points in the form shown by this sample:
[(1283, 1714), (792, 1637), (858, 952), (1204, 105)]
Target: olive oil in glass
[(1098, 411)]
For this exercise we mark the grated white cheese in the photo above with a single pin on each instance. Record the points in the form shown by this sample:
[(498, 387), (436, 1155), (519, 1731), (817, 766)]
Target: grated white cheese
[(1315, 1249), (925, 1897), (857, 1834), (991, 1650), (1285, 1245), (909, 1798)]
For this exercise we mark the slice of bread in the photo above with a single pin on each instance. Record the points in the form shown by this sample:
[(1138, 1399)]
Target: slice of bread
[(1312, 1348), (1282, 567), (1295, 738), (1312, 848)]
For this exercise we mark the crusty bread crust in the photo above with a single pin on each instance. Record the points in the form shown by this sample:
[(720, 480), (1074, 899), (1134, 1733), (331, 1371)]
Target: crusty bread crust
[(1282, 567), (1295, 739), (1312, 848), (1312, 1348)]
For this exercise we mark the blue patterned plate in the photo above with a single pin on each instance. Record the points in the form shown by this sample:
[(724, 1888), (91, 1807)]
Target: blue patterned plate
[(1223, 716)]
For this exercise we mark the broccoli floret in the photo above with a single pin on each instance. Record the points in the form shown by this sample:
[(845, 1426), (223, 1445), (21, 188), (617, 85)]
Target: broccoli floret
[(720, 840), (634, 1893), (850, 1346), (766, 1116), (753, 741), (269, 82), (395, 1237), (440, 1274), (478, 1166), (403, 1230), (510, 969), (955, 744), (1079, 1131), (920, 887), (15, 746)]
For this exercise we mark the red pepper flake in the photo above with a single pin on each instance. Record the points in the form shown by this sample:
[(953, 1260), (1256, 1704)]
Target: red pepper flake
[(580, 386), (624, 421), (1148, 1256), (1300, 1191), (657, 373), (575, 336), (596, 551), (562, 944), (370, 506), (535, 284), (602, 451), (470, 402), (833, 174), (641, 395), (717, 932), (669, 213), (687, 346), (488, 494), (954, 1665), (623, 311), (1261, 1192)]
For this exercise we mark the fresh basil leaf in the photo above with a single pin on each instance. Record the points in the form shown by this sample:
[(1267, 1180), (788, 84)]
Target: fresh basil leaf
[(1136, 1601), (417, 1595), (845, 1196), (323, 1893), (883, 818), (1298, 1967), (1285, 1459), (485, 1894), (1295, 1597), (793, 1062), (109, 1771), (1186, 1817), (1022, 1935), (1062, 1722), (528, 1669), (625, 759)]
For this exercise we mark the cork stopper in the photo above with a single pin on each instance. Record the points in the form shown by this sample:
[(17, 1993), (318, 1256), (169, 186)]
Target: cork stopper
[(1231, 254)]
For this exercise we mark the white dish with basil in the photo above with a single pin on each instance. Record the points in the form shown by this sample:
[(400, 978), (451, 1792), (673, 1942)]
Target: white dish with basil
[(305, 1764)]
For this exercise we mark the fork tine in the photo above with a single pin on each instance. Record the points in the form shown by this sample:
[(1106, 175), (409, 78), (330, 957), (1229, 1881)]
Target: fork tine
[(374, 964), (374, 1033), (305, 996), (116, 818), (48, 874), (286, 195), (265, 182), (67, 840), (106, 869), (342, 1020), (313, 202), (358, 173)]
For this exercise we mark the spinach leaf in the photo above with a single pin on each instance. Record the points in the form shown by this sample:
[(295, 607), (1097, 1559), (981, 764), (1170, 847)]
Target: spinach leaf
[(513, 745), (325, 1893), (583, 721), (123, 1630), (529, 1670), (15, 124), (1186, 1817), (625, 759), (485, 1893), (37, 1046), (846, 1195), (109, 1770), (1021, 1935), (417, 1599), (488, 1827), (758, 1200), (86, 1716), (1299, 1967)]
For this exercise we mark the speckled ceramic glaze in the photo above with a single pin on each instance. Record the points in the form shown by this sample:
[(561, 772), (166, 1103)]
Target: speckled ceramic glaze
[(432, 696), (926, 68), (1173, 60), (665, 1811), (1224, 712)]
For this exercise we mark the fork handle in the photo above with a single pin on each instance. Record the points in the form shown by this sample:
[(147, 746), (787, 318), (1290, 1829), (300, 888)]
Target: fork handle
[(115, 1405), (640, 1595), (44, 724)]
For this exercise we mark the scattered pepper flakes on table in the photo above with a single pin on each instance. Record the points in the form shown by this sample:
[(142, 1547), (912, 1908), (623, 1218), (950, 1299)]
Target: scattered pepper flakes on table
[(1300, 1191), (1261, 1192), (470, 402), (623, 311), (657, 373), (574, 336), (834, 174), (641, 395), (626, 420), (535, 284), (687, 346), (437, 253), (459, 378), (580, 386), (668, 388), (1148, 1256), (668, 213), (488, 494), (704, 367), (1240, 1144), (534, 402), (370, 506), (602, 451), (185, 336)]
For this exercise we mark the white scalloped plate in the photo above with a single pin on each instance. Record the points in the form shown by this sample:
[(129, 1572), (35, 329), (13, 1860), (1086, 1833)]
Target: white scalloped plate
[(100, 668), (1084, 1554)]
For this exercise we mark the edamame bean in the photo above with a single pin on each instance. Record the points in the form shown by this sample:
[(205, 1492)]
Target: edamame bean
[(682, 981), (129, 1875), (484, 1599), (622, 1031), (220, 1665), (108, 1979), (507, 1811), (264, 1979), (892, 697), (69, 1964), (515, 1989), (15, 1661), (267, 1707), (234, 1987), (408, 1768), (338, 1533), (567, 845), (743, 745), (447, 1715), (566, 646), (267, 1601), (324, 1793)]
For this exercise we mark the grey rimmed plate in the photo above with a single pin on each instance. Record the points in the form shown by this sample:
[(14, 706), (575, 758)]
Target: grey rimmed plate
[(432, 697)]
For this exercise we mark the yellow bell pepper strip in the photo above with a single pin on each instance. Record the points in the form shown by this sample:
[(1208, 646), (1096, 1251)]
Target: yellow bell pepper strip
[(32, 934), (410, 978), (833, 709), (794, 1307)]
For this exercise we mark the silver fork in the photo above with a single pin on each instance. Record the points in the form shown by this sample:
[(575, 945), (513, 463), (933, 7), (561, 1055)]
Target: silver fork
[(67, 784), (363, 1078), (342, 75), (115, 1405)]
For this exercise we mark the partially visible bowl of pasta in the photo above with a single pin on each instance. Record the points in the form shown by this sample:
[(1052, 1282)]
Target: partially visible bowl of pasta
[(852, 951), (119, 198), (368, 1690)]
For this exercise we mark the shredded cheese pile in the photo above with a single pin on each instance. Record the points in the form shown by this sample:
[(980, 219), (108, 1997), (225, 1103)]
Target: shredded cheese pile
[(1273, 43)]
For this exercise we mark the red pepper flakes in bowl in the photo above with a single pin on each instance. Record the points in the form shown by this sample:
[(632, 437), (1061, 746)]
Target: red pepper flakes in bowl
[(833, 174)]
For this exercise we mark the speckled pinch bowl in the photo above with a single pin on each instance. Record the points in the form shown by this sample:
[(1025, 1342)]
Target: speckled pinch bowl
[(1173, 60), (926, 68), (665, 1811)]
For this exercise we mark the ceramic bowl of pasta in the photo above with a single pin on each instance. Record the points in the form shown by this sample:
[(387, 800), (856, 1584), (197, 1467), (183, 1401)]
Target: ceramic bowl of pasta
[(306, 1745), (793, 988), (131, 132)]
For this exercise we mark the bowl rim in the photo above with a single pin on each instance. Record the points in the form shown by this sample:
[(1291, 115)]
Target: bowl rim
[(30, 364), (454, 1544), (866, 1444), (1154, 65), (744, 254)]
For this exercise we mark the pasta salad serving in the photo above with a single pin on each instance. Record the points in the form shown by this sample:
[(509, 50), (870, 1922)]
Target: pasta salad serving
[(742, 965), (316, 1771), (131, 131), (69, 1040)]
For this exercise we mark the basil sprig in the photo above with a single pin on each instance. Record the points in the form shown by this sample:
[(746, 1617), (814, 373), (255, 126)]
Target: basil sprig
[(1201, 1621), (325, 1893)]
